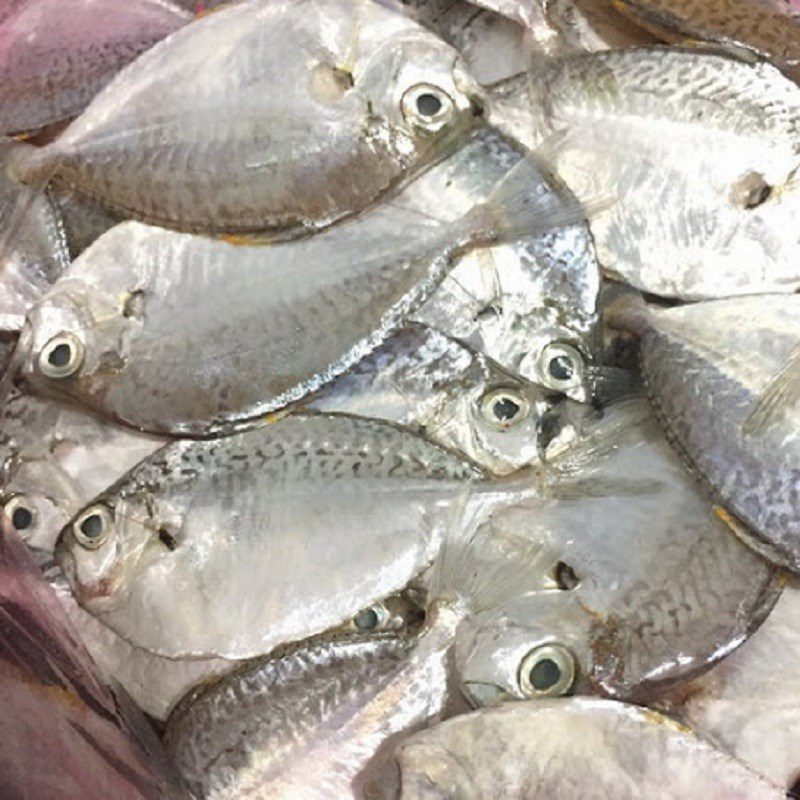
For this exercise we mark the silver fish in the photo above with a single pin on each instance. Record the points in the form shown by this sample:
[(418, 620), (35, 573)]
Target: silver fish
[(237, 332), (234, 546), (653, 590), (746, 704), (254, 89), (570, 748), (443, 390), (705, 366), (707, 206)]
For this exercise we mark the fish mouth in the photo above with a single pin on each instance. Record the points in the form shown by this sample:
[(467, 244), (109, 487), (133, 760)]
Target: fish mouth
[(84, 593), (479, 694)]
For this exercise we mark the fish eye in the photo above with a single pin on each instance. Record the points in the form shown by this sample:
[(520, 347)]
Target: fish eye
[(92, 528), (751, 191), (547, 671), (566, 577), (22, 514), (371, 618), (61, 357), (561, 366), (427, 107), (503, 408)]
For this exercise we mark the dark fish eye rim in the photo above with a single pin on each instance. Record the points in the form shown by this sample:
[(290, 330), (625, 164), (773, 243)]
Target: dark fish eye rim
[(93, 542), (558, 656), (74, 361), (499, 394)]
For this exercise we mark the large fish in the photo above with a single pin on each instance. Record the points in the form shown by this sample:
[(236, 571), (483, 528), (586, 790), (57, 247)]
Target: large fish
[(56, 55), (234, 546), (306, 111), (637, 584), (570, 748), (699, 149), (177, 333), (705, 366)]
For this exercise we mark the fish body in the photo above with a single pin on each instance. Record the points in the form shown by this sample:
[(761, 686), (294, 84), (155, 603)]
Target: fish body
[(636, 580), (254, 89), (56, 55), (570, 748), (271, 535), (705, 366), (707, 207)]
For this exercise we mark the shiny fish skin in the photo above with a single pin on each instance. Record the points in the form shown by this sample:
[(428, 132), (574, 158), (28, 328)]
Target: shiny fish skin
[(186, 335), (665, 589), (570, 749), (705, 365), (253, 89), (770, 32), (728, 138), (56, 55), (441, 389), (272, 535)]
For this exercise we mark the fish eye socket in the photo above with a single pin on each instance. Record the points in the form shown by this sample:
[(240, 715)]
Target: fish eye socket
[(547, 671), (561, 366), (503, 408), (93, 527), (427, 107), (22, 514), (370, 619), (61, 357)]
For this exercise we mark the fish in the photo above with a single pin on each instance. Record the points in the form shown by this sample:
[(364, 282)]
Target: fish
[(443, 390), (704, 210), (570, 747), (324, 74), (183, 335), (638, 585), (705, 366), (746, 703), (234, 546), (56, 55), (311, 722), (769, 32)]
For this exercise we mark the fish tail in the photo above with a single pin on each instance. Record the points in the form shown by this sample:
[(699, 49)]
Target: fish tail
[(781, 395)]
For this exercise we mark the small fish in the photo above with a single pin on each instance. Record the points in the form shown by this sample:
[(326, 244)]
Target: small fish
[(654, 590), (179, 334), (770, 32), (234, 546), (705, 366), (707, 207), (747, 703), (325, 75), (570, 748), (308, 724), (443, 390), (56, 55)]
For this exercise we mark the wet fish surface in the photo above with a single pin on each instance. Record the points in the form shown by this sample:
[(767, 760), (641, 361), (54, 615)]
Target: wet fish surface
[(56, 55), (272, 535), (570, 748), (253, 89), (653, 590)]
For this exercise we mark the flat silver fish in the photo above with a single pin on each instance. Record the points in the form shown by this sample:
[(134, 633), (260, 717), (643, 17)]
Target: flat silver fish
[(234, 546), (308, 110), (570, 748), (707, 207), (705, 366), (180, 334), (637, 585)]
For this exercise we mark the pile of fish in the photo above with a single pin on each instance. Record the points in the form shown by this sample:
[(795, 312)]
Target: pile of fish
[(402, 399)]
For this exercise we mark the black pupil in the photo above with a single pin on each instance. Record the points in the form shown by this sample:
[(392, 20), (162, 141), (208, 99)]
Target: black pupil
[(561, 368), (505, 409), (22, 518), (545, 674), (60, 355), (566, 577), (92, 526), (429, 105), (366, 620)]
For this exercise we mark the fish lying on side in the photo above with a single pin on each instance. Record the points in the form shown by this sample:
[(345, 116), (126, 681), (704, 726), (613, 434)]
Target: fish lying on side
[(56, 55), (705, 366), (652, 590), (699, 149), (570, 748), (324, 74)]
